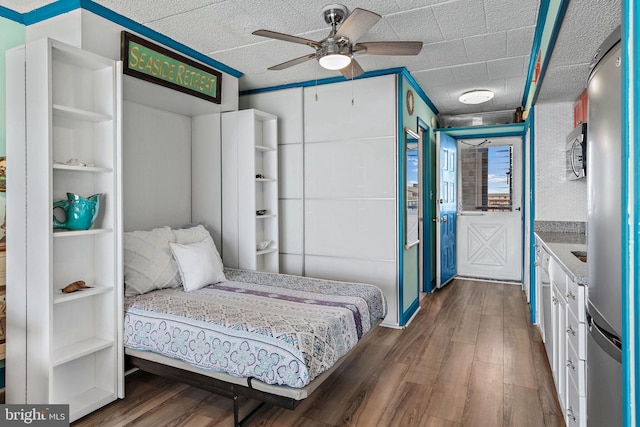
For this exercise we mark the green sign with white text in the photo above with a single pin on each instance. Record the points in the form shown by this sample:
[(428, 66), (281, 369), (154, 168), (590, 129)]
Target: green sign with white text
[(156, 64)]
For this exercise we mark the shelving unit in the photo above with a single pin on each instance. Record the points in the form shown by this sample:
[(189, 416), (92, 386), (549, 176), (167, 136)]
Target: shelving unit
[(72, 113), (250, 184)]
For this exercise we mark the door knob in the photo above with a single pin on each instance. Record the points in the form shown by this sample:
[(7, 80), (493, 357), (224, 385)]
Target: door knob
[(443, 219)]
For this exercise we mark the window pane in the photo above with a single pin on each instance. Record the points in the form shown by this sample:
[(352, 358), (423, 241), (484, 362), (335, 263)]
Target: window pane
[(486, 178)]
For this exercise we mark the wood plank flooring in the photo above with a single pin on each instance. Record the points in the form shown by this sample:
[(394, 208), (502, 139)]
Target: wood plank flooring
[(469, 358)]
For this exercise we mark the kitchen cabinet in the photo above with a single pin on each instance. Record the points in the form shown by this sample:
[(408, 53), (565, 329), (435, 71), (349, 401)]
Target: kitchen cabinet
[(580, 109), (250, 190), (543, 301), (569, 344), (69, 138)]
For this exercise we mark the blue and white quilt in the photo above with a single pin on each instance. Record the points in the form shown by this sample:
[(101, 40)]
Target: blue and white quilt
[(279, 329)]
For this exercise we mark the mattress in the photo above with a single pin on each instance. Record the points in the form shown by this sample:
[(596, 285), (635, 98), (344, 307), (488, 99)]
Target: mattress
[(280, 329)]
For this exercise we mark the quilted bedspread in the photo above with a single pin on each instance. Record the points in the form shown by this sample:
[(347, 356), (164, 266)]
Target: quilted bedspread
[(277, 328)]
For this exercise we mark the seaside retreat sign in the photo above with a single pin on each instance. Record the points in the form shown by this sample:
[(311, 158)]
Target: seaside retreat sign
[(148, 61)]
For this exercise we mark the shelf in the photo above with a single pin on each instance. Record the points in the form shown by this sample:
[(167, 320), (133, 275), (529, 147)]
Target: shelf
[(88, 401), (76, 351), (264, 148), (265, 216), (77, 114), (60, 297), (81, 232), (266, 251), (93, 169), (265, 180)]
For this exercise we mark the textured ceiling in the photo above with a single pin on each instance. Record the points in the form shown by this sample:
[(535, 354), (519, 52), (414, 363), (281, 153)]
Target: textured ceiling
[(468, 44)]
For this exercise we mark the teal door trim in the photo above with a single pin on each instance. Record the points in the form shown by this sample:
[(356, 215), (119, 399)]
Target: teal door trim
[(630, 123), (530, 124), (427, 189)]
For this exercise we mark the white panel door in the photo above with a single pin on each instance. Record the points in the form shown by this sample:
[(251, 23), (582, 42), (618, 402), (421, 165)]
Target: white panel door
[(490, 216)]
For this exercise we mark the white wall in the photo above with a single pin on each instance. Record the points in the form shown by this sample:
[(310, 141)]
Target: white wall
[(156, 168), (337, 174), (557, 198)]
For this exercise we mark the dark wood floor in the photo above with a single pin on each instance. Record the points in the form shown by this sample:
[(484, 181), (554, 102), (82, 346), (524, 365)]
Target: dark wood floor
[(470, 357)]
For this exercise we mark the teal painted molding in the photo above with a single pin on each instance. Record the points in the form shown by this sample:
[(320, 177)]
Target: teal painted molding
[(552, 42), (400, 206), (512, 129), (64, 6), (416, 87), (407, 315), (12, 15), (630, 123), (537, 39), (530, 124), (402, 71)]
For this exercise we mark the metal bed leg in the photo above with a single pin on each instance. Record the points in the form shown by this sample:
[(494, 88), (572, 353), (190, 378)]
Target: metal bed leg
[(236, 409)]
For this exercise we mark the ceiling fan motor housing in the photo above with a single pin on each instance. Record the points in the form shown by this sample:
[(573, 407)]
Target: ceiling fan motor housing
[(334, 14)]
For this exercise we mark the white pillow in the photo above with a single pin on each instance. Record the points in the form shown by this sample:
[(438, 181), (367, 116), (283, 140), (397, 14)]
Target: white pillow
[(148, 264), (190, 234), (199, 264)]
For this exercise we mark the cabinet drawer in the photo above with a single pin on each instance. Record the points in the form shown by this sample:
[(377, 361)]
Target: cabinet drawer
[(577, 334), (558, 276), (575, 299), (576, 409), (576, 370)]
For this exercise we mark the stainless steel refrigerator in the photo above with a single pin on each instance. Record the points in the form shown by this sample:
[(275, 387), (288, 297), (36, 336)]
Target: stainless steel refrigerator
[(604, 303)]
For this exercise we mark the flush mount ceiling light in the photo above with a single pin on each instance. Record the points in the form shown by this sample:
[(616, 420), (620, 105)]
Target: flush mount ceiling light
[(476, 96), (334, 61)]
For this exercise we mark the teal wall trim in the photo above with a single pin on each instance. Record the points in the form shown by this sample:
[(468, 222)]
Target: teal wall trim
[(401, 195), (630, 123), (416, 87), (64, 6), (12, 15), (494, 131), (537, 39), (399, 70), (552, 42), (530, 125), (427, 283)]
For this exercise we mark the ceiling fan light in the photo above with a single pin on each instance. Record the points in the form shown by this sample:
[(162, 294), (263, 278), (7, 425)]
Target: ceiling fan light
[(476, 96), (334, 61)]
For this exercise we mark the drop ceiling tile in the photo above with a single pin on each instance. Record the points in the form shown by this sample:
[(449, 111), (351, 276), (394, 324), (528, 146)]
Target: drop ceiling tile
[(563, 83), (486, 47), (420, 25), (520, 41), (461, 18), (447, 53), (439, 77), (508, 14), (313, 8), (24, 6), (140, 11), (472, 74), (505, 68)]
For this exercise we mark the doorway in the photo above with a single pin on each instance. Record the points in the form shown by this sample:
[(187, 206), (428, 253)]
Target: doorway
[(489, 238)]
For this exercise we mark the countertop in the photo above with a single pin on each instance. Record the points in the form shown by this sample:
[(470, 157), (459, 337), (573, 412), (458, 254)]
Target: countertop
[(560, 245)]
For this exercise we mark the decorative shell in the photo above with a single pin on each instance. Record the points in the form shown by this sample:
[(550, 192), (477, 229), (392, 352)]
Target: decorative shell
[(78, 285)]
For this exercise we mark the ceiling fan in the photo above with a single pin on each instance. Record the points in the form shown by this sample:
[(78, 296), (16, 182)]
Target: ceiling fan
[(337, 50)]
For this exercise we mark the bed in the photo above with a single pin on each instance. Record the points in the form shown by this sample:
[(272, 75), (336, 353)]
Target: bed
[(266, 336)]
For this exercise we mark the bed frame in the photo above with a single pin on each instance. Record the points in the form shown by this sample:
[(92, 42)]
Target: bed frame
[(232, 387)]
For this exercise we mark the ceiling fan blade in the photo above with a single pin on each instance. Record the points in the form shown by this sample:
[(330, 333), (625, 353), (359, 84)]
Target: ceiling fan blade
[(352, 70), (287, 38), (388, 48), (357, 23), (292, 62)]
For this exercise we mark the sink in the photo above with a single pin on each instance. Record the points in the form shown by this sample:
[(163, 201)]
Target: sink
[(581, 255)]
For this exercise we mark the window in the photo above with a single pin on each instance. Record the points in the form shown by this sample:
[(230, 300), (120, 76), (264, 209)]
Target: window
[(485, 174)]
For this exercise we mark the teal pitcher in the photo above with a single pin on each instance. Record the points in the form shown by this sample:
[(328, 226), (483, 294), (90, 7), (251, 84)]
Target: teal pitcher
[(80, 212)]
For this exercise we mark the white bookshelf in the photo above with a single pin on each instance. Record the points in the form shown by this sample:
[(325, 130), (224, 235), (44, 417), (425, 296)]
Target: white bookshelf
[(72, 111), (249, 185)]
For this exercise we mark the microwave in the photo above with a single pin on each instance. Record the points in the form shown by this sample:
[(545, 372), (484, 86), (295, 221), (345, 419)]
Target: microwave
[(576, 153)]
